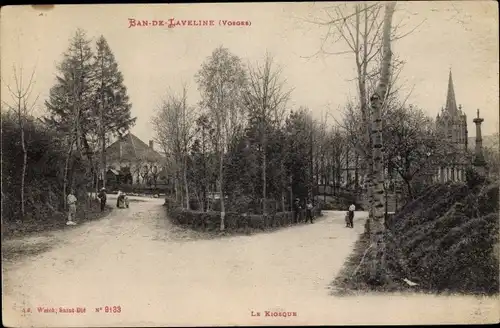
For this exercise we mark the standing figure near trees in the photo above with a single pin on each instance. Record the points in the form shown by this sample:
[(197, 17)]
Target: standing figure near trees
[(309, 211), (71, 200), (102, 198), (352, 208), (119, 198), (296, 210)]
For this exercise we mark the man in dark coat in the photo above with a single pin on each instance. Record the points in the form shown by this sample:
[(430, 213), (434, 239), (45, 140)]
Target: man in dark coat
[(309, 211), (296, 210), (102, 197)]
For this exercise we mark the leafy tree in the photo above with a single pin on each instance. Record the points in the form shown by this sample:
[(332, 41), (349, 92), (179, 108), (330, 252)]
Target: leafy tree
[(266, 101), (111, 102), (297, 161), (221, 82), (415, 148), (89, 99)]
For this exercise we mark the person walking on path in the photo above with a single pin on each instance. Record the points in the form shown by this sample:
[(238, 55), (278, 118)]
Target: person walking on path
[(119, 198), (102, 197), (71, 208), (352, 208), (309, 210)]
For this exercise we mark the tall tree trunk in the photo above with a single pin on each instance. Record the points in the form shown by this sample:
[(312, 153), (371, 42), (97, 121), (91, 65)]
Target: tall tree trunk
[(103, 157), (25, 161), (408, 186), (186, 187), (356, 171), (205, 173), (283, 186), (221, 191), (264, 181), (66, 169), (176, 187), (311, 163), (377, 227), (347, 167)]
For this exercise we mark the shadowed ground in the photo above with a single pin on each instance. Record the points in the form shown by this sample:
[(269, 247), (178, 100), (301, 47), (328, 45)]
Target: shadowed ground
[(163, 275)]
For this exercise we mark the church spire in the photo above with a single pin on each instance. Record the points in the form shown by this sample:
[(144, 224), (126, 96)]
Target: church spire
[(451, 103)]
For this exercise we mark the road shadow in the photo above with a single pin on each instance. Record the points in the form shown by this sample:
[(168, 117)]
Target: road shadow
[(16, 250)]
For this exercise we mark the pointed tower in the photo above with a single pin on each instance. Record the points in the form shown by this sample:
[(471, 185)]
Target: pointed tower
[(451, 124), (451, 102)]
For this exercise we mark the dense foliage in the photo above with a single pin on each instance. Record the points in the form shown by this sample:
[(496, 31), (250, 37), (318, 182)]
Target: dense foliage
[(44, 198)]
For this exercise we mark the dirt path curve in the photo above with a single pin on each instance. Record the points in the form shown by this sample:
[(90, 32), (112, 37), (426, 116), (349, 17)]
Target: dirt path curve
[(161, 275)]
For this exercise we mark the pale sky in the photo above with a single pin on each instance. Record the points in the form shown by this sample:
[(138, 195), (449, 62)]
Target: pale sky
[(459, 35)]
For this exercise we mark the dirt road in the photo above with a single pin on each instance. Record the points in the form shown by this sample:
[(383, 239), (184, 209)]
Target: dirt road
[(156, 274)]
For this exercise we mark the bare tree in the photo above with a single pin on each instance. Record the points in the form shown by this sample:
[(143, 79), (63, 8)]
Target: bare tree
[(266, 100), (359, 27), (377, 226), (173, 125), (222, 81), (22, 107)]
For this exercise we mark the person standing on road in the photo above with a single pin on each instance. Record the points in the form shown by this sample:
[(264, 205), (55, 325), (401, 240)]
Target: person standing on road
[(352, 208), (309, 210), (102, 197), (119, 198), (71, 200), (296, 210)]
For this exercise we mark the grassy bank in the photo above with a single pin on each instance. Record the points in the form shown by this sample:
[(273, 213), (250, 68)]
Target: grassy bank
[(53, 222), (446, 241)]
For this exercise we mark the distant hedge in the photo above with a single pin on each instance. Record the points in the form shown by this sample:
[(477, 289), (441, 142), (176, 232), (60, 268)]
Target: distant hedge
[(234, 222)]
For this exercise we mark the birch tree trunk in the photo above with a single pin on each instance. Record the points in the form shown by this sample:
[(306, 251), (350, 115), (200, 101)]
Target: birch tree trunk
[(264, 178), (221, 190), (25, 161), (377, 227), (186, 187), (176, 187), (22, 109)]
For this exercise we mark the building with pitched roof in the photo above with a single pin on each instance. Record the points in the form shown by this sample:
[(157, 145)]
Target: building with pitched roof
[(136, 161)]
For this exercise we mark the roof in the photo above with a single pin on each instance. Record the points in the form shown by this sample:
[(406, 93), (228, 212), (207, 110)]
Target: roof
[(115, 172), (132, 149)]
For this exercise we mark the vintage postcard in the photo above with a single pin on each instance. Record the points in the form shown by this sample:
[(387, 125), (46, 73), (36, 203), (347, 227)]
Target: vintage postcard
[(250, 164)]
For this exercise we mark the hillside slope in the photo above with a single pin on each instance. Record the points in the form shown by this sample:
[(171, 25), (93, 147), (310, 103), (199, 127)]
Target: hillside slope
[(446, 241), (449, 238)]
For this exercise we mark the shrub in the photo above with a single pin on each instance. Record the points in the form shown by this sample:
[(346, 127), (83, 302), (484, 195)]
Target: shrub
[(43, 188), (234, 222)]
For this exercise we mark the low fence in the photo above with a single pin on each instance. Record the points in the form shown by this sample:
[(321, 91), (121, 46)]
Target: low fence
[(233, 222)]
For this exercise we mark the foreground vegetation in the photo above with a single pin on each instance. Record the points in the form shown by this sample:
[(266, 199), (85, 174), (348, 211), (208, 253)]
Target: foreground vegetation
[(44, 196), (445, 241)]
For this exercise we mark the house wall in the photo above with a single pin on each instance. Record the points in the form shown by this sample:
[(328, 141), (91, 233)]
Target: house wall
[(137, 169)]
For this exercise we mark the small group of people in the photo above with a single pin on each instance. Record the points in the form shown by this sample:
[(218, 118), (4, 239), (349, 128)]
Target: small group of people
[(349, 216), (297, 208), (72, 200), (122, 199)]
